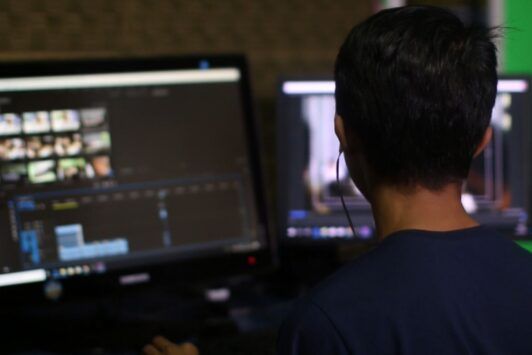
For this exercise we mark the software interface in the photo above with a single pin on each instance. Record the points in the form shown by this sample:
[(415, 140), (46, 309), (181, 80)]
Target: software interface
[(107, 170), (308, 149)]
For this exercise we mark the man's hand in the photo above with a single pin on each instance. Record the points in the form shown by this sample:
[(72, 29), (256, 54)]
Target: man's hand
[(163, 346)]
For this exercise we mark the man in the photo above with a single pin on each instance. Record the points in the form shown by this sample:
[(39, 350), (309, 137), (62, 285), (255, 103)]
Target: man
[(414, 94)]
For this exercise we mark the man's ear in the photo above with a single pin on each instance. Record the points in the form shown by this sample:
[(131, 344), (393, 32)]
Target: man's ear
[(484, 142), (339, 129)]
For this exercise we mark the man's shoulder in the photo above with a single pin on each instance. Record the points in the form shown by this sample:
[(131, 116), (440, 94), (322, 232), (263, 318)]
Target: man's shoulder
[(414, 278), (362, 279), (417, 263), (358, 278), (309, 329), (325, 320)]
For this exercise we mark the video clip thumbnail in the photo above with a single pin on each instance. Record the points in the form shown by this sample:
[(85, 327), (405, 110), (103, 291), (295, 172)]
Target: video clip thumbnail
[(68, 145), (10, 124), (39, 147), (100, 167), (42, 171), (65, 120), (36, 122), (14, 173), (72, 169), (93, 117), (12, 149), (97, 142)]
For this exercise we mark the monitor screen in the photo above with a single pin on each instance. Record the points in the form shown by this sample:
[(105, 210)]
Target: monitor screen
[(105, 166), (309, 204)]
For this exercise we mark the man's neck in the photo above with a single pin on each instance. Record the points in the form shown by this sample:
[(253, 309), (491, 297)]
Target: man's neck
[(395, 209)]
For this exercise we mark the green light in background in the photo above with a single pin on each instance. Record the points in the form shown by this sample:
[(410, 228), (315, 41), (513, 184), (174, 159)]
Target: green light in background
[(527, 244)]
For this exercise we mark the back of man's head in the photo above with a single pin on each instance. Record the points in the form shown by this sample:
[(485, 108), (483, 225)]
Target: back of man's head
[(416, 87)]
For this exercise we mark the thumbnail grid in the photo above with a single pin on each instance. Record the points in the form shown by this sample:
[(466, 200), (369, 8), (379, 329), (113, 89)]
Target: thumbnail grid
[(58, 145)]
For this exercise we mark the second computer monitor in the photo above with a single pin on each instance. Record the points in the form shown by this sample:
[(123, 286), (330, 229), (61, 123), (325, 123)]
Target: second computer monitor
[(495, 192), (110, 166)]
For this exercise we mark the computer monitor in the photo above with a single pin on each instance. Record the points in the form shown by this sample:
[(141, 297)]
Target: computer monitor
[(309, 205), (115, 165)]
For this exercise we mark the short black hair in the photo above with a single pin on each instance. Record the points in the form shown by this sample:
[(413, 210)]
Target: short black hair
[(417, 87)]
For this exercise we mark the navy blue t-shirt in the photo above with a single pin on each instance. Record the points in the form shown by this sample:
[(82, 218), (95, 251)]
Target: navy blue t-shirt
[(462, 292)]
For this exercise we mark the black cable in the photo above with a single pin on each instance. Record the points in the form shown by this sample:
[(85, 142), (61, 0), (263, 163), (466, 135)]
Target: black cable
[(342, 195)]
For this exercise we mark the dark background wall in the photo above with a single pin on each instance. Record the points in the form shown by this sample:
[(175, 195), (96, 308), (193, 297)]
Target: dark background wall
[(278, 36)]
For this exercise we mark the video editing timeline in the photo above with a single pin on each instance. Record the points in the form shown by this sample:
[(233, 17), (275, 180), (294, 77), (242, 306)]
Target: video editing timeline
[(494, 192), (57, 145), (175, 184), (163, 217)]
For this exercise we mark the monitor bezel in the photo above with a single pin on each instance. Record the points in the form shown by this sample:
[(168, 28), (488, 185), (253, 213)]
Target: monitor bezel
[(178, 270)]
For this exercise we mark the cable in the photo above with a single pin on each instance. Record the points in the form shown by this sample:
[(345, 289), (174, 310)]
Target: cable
[(342, 195)]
